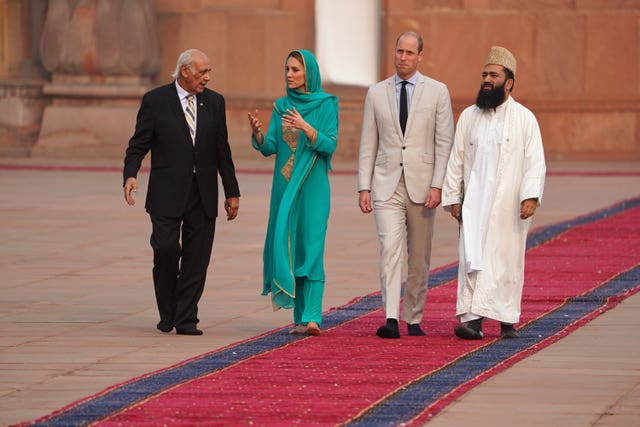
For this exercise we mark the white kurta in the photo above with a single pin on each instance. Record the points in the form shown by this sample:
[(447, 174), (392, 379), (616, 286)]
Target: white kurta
[(497, 161)]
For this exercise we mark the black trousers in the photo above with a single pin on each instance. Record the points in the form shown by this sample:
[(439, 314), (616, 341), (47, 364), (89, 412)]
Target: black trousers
[(180, 270)]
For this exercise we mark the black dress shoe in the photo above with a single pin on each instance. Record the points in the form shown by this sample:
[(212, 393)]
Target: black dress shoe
[(415, 331), (469, 330), (188, 331), (390, 330), (164, 326), (508, 331)]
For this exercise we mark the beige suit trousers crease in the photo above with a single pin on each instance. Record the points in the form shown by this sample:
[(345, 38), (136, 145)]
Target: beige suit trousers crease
[(402, 223)]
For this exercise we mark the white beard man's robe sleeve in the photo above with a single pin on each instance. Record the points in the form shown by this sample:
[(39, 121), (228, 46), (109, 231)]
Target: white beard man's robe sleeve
[(495, 291)]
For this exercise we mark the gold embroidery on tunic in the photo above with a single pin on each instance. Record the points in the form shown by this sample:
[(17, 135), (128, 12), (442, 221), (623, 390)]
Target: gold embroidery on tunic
[(287, 168), (290, 136)]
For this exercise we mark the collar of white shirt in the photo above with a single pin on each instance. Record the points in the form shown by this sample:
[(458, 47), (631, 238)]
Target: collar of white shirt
[(413, 80)]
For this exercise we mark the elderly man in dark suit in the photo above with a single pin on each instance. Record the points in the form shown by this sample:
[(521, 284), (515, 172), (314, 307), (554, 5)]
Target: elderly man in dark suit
[(183, 124)]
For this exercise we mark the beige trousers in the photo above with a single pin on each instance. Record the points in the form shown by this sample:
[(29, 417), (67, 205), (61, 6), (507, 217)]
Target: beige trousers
[(403, 224)]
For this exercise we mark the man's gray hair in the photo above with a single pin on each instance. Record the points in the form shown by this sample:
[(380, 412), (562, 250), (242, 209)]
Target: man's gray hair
[(186, 58)]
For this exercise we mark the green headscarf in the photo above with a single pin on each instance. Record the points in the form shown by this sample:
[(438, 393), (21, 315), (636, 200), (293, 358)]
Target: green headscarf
[(310, 100)]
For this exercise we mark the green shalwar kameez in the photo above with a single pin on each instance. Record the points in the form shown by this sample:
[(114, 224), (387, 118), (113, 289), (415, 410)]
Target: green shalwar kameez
[(300, 198)]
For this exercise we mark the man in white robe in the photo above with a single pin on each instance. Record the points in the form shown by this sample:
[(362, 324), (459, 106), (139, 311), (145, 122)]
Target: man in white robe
[(493, 185)]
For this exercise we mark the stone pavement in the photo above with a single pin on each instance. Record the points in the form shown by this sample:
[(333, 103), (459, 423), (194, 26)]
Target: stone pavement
[(78, 315)]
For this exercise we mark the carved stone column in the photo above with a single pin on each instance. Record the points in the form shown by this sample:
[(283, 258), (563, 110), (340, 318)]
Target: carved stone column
[(21, 76), (101, 55)]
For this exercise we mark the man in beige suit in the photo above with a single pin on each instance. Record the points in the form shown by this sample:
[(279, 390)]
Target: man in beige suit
[(407, 134)]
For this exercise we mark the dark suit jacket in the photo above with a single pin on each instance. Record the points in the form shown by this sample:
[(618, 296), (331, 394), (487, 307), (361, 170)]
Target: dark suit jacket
[(162, 128)]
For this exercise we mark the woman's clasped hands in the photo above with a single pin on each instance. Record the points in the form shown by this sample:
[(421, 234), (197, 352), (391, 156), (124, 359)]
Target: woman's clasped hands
[(294, 118)]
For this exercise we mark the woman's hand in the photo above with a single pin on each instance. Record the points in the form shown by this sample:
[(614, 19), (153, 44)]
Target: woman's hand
[(296, 120), (256, 125)]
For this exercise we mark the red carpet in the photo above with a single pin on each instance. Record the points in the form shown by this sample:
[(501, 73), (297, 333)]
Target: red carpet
[(575, 271)]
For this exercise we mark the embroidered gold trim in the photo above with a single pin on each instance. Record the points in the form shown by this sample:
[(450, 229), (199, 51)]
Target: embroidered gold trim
[(288, 168), (290, 136)]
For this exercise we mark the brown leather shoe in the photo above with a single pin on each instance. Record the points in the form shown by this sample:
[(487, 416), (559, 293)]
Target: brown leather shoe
[(298, 330), (313, 329)]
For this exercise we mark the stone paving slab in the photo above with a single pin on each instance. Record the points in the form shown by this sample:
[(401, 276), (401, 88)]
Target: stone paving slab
[(78, 313)]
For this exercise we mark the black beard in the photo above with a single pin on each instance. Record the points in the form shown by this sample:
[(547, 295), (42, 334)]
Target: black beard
[(490, 99)]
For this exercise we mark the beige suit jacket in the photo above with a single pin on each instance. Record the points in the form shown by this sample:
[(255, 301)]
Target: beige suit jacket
[(422, 153)]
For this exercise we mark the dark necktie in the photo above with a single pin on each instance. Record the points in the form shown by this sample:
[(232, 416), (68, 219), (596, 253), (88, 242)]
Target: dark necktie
[(403, 106)]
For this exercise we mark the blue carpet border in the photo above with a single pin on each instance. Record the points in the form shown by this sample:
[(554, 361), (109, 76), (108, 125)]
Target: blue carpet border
[(412, 399)]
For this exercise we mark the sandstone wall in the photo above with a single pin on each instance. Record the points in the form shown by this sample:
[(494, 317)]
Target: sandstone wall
[(578, 61), (578, 64)]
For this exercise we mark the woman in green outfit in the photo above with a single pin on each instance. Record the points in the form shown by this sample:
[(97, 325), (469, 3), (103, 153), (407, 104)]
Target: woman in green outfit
[(302, 134)]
